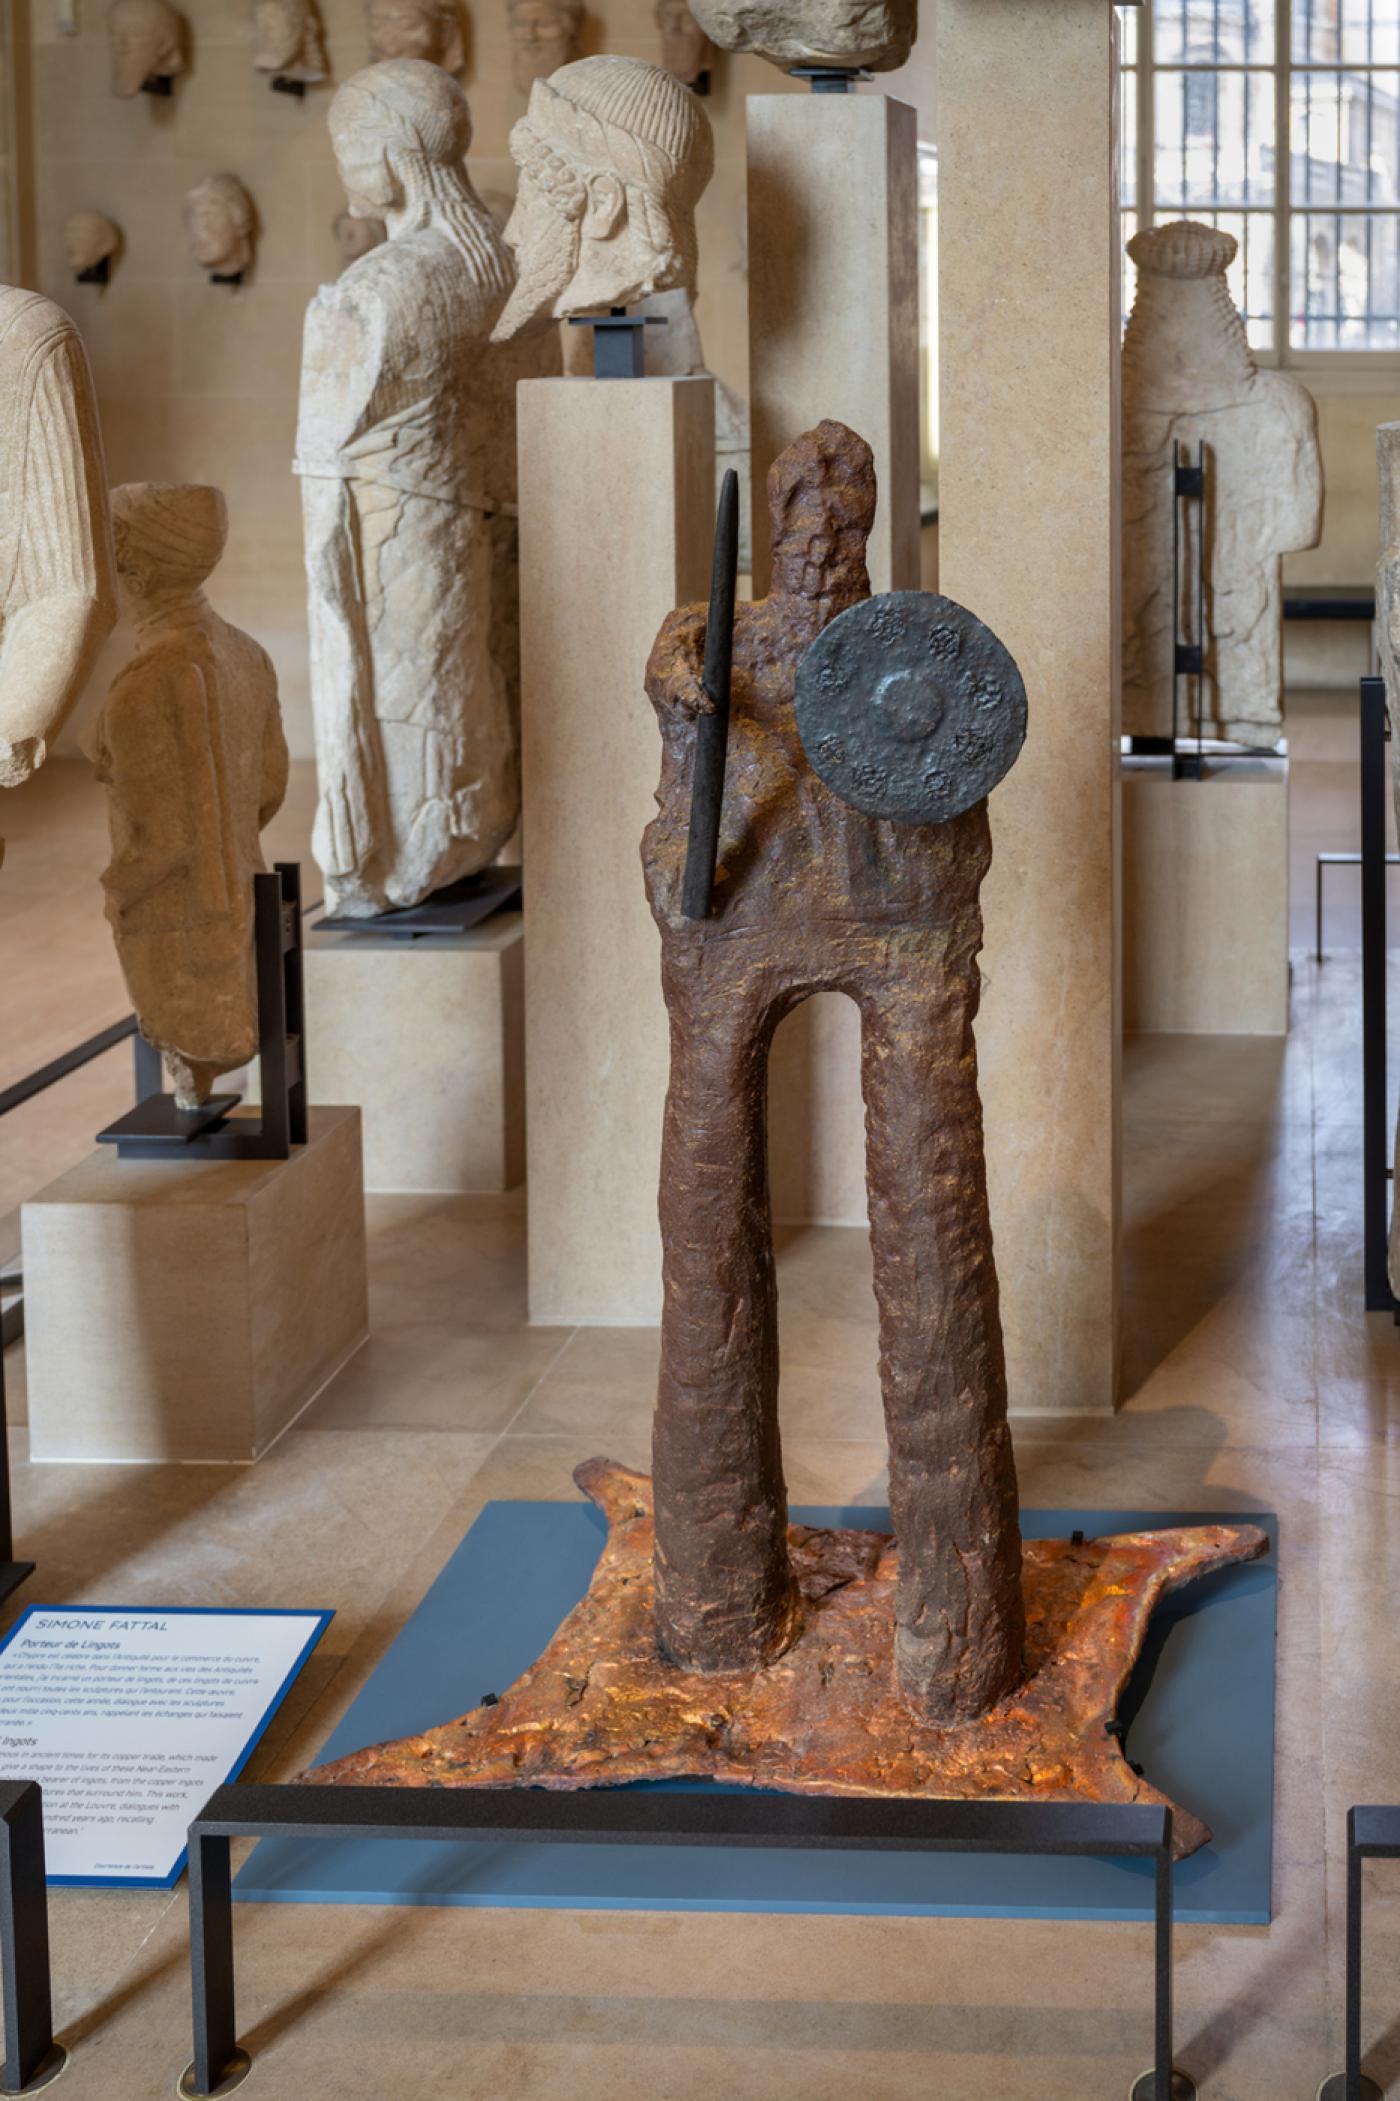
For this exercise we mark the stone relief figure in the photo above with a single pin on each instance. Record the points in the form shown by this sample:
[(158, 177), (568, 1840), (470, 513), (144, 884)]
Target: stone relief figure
[(219, 223), (613, 155), (189, 747), (90, 240), (355, 236), (416, 757), (148, 46), (1189, 376), (872, 35), (686, 51), (544, 36), (57, 591), (427, 29), (288, 40)]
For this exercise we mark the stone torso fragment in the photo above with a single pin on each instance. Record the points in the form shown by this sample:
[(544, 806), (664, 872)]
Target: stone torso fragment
[(872, 35)]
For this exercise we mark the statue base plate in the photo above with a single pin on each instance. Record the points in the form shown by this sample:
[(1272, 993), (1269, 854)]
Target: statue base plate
[(601, 1707)]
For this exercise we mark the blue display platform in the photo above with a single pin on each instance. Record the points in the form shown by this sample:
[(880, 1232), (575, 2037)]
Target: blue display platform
[(1199, 1710)]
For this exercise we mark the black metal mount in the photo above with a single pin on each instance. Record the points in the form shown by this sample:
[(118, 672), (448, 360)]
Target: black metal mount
[(281, 85), (32, 2058), (1376, 1136), (829, 80), (156, 1130), (158, 84), (97, 273), (455, 909), (1372, 1834), (1188, 647), (231, 277), (623, 1816), (619, 341)]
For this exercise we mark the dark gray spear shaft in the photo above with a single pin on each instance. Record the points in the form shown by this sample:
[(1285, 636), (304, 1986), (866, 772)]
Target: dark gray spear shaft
[(712, 731)]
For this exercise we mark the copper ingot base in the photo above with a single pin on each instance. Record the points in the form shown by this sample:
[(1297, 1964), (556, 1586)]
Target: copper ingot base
[(602, 1706)]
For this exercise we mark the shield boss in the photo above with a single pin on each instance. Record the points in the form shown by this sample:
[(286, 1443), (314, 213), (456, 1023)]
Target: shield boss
[(909, 708)]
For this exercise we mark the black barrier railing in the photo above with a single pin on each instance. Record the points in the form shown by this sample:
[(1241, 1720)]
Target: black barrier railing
[(1376, 1136), (614, 1816), (32, 2058), (1372, 1834)]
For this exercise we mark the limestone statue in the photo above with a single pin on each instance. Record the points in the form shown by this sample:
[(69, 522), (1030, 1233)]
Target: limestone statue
[(676, 352), (872, 35), (613, 155), (355, 236), (686, 51), (427, 29), (57, 592), (148, 46), (288, 40), (189, 747), (90, 240), (220, 223), (416, 758), (543, 36), (1189, 376)]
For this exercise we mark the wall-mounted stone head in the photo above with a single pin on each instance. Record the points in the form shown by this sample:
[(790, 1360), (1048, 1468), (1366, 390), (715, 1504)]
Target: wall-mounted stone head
[(148, 43), (427, 29), (288, 40), (89, 240), (874, 35), (544, 36), (685, 48), (219, 222), (169, 538), (613, 155), (355, 235)]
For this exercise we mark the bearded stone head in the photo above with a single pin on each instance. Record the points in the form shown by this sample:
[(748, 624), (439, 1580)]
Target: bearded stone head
[(148, 43), (427, 29), (544, 37), (219, 223), (89, 240), (288, 40), (874, 35), (613, 155)]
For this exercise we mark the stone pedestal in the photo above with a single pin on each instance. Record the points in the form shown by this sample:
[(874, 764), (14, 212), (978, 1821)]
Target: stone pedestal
[(833, 300), (1028, 540), (1205, 900), (190, 1310), (428, 1039), (616, 526)]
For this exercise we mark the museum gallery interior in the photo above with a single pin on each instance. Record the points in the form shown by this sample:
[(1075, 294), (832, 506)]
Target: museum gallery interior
[(700, 737)]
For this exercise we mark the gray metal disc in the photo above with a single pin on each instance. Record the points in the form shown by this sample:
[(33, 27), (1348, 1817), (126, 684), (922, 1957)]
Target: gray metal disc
[(909, 708)]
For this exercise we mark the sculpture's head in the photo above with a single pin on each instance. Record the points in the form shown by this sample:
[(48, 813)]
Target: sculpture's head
[(874, 34), (88, 239), (685, 48), (613, 155), (148, 43), (821, 499), (168, 537), (426, 29), (355, 236), (1183, 249), (219, 221), (543, 35), (390, 125), (287, 33)]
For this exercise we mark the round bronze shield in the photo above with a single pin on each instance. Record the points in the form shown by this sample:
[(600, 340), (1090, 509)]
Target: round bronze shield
[(909, 708)]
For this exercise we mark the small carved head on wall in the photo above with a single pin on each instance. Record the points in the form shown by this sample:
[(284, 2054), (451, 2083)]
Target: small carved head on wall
[(428, 29), (544, 36), (148, 46), (686, 51), (355, 234), (90, 240), (288, 40), (220, 223)]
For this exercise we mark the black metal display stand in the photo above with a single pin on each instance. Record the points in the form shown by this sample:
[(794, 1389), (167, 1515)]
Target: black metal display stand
[(619, 341), (623, 1816), (1372, 1834), (157, 1130), (455, 909), (1376, 1134), (32, 2058)]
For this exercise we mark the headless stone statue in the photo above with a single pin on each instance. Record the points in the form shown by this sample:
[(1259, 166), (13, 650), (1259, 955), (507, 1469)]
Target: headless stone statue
[(190, 749), (415, 751), (1188, 376), (812, 896), (57, 594)]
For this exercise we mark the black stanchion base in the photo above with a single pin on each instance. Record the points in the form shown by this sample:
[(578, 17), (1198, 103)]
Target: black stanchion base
[(235, 2072), (53, 2064), (1144, 2087), (453, 910), (1335, 2089), (12, 1574)]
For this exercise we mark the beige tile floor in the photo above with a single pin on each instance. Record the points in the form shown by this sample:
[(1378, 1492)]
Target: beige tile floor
[(1252, 1380)]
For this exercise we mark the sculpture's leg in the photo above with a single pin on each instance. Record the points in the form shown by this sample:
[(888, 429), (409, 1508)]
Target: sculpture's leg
[(725, 1596), (960, 1620)]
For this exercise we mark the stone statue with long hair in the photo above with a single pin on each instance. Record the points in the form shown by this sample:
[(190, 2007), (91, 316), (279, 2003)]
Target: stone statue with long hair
[(415, 751)]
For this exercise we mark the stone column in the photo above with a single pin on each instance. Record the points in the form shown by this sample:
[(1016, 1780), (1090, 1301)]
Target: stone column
[(833, 300), (1029, 245), (616, 528)]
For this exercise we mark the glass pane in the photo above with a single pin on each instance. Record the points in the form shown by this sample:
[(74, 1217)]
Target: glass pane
[(1127, 133), (1345, 291), (1215, 32), (1251, 275), (1351, 32), (1345, 138), (1128, 41), (1215, 139)]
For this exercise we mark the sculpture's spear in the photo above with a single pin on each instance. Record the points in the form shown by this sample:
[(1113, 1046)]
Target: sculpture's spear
[(712, 731)]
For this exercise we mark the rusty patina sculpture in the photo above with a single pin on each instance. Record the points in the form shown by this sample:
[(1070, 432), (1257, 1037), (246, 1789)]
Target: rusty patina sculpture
[(716, 1639)]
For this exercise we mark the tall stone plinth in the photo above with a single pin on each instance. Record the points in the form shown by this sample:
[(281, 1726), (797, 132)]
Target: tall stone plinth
[(1028, 526), (191, 1309), (834, 300), (616, 527)]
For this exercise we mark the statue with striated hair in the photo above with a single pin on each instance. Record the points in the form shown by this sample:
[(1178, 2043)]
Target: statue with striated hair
[(190, 749), (870, 35), (288, 40), (614, 155), (148, 44), (415, 751)]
